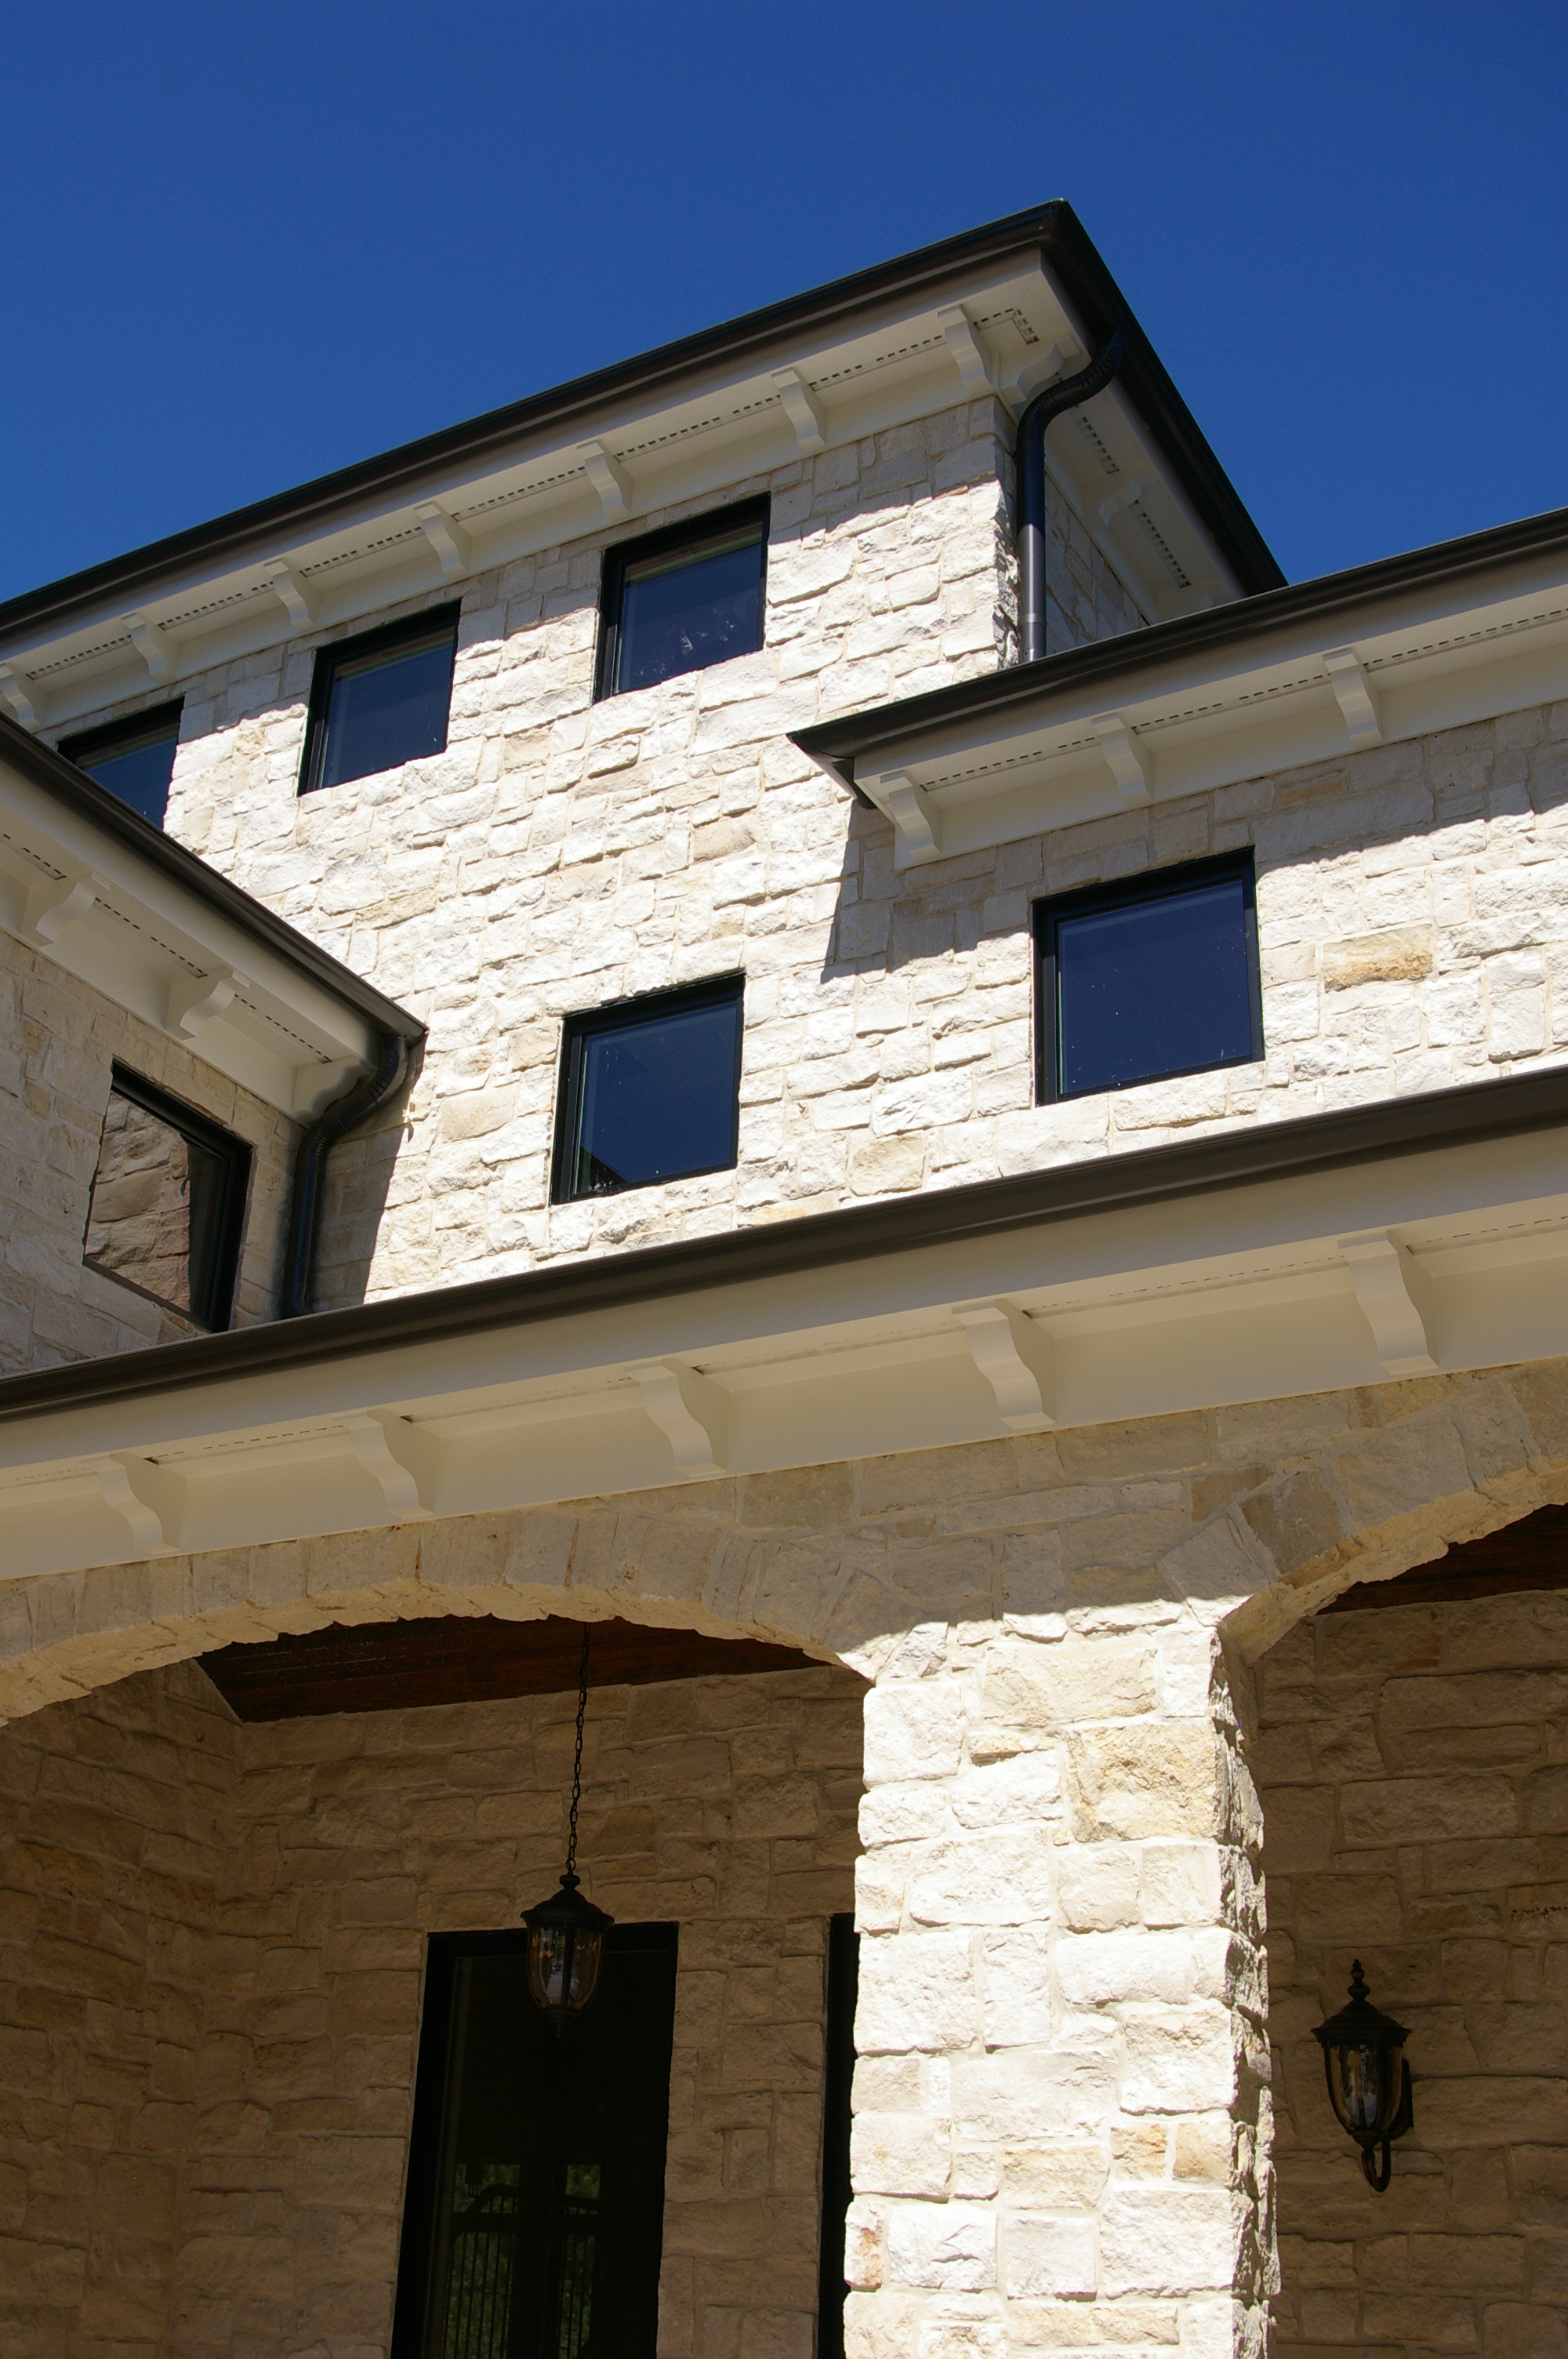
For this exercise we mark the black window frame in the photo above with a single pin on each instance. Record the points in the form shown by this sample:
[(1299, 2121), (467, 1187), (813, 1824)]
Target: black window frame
[(421, 2189), (1153, 885), (238, 1155), (843, 1980), (650, 1007), (710, 526), (385, 640), (121, 736)]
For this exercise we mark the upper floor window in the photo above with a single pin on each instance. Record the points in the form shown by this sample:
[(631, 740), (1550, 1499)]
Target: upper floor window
[(649, 1090), (681, 600), (1146, 981), (169, 1202), (134, 758), (380, 699)]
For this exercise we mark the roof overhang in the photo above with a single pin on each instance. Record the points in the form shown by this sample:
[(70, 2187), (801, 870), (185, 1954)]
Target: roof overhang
[(123, 908), (1000, 310), (1426, 1234), (1444, 637)]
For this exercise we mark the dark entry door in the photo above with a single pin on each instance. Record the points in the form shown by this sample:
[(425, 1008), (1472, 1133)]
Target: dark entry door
[(533, 2219)]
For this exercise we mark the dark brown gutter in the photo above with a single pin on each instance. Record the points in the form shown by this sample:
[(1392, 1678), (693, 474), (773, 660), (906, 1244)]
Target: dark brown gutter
[(1447, 565), (1268, 1151), (1052, 232), (99, 808)]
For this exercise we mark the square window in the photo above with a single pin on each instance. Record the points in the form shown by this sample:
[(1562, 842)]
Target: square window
[(534, 2220), (649, 1090), (169, 1203), (681, 600), (1145, 981), (134, 758), (380, 699)]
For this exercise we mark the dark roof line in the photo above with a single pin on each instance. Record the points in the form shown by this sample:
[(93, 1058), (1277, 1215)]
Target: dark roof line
[(1282, 1150), (836, 745), (1054, 229), (101, 809)]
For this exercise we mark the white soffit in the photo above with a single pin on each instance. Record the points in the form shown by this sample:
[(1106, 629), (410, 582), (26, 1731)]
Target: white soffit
[(1446, 1259), (1006, 330), (157, 950), (1313, 691)]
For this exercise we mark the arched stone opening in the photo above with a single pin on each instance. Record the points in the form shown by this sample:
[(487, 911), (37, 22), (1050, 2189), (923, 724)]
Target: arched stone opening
[(1408, 1752), (215, 1934)]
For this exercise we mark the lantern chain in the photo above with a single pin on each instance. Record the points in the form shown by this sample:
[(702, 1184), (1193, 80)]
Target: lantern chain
[(577, 1760)]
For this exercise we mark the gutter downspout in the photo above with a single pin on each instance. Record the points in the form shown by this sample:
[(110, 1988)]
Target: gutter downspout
[(348, 1112), (1067, 393)]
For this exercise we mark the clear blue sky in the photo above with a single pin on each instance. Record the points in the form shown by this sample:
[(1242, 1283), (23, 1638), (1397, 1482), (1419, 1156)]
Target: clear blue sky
[(249, 245)]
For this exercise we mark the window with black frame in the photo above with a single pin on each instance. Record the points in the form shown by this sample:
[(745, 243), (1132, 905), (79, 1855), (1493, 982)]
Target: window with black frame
[(533, 2222), (649, 1090), (380, 699), (1148, 980), (678, 600), (134, 758), (168, 1205)]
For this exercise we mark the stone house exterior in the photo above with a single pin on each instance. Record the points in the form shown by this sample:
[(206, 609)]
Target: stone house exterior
[(1009, 1498)]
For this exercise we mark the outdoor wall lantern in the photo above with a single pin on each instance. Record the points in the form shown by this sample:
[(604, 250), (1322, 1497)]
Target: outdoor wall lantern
[(566, 1932), (1368, 2080)]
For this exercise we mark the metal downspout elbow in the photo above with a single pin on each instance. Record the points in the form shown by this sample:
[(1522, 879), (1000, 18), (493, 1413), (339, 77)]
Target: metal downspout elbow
[(1065, 393), (348, 1112)]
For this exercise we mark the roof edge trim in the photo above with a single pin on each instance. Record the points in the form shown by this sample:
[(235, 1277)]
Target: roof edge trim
[(1314, 1143)]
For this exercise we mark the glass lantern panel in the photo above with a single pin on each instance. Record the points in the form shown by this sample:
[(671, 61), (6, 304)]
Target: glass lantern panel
[(1362, 2078)]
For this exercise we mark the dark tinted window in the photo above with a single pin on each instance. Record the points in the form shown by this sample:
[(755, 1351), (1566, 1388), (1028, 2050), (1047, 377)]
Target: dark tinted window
[(680, 601), (1148, 981), (135, 758), (535, 2215), (650, 1091), (380, 700), (168, 1202)]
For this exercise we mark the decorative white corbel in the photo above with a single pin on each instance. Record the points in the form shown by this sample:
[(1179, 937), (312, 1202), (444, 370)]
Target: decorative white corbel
[(802, 409), (917, 822), (1035, 370), (51, 908), (16, 696), (608, 477), (285, 583), (1116, 742), (1016, 1358), (689, 1410), (1395, 1297), (195, 999), (399, 1487), (446, 537), (1122, 498), (1355, 695), (975, 363), (128, 1487), (148, 643)]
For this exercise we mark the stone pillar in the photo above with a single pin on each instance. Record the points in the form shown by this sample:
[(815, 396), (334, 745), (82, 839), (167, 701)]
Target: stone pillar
[(1062, 2119)]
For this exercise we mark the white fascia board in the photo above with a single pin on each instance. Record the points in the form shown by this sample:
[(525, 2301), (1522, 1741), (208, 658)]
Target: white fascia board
[(1456, 1258), (167, 956), (712, 432), (1205, 721)]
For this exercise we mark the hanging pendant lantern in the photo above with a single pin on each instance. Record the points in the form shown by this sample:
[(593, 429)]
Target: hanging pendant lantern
[(566, 1932), (1368, 2080)]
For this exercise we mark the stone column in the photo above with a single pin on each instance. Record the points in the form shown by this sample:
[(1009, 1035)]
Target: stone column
[(1062, 2129)]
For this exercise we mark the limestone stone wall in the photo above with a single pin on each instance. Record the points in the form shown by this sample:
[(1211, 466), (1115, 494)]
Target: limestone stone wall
[(561, 853), (1415, 1800), (115, 1819), (58, 1040), (209, 2006)]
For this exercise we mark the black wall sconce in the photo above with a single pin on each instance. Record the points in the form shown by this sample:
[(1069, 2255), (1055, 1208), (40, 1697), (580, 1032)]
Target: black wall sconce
[(1368, 2080), (566, 1932)]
